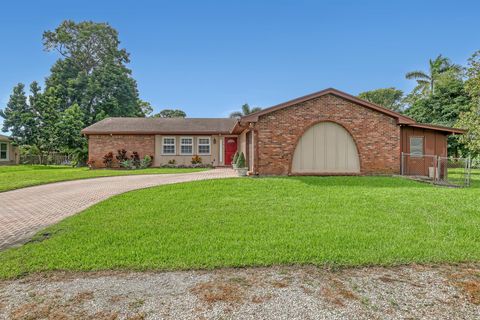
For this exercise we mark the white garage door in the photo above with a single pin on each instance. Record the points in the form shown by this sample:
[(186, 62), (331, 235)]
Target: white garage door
[(326, 148)]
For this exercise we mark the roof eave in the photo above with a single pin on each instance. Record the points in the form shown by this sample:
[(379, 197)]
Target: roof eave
[(152, 132), (438, 128)]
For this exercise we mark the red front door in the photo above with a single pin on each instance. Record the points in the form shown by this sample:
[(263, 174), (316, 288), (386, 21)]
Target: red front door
[(230, 149)]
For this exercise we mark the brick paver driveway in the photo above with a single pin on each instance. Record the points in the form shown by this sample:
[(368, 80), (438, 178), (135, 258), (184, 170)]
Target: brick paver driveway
[(25, 211)]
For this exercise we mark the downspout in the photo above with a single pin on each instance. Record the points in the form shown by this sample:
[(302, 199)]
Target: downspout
[(254, 130)]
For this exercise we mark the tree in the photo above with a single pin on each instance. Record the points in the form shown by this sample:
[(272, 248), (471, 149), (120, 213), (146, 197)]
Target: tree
[(443, 107), (245, 111), (170, 113), (68, 129), (92, 71), (88, 83), (390, 98), (32, 121), (470, 119), (18, 117), (146, 107), (87, 45), (426, 80), (45, 110)]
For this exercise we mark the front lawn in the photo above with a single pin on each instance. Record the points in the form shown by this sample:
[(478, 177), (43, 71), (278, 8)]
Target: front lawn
[(340, 221), (14, 177)]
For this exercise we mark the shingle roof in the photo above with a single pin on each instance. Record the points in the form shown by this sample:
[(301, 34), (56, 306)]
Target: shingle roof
[(161, 126), (5, 138)]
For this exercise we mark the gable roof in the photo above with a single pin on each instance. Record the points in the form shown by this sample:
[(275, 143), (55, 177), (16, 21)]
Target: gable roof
[(401, 119), (161, 126)]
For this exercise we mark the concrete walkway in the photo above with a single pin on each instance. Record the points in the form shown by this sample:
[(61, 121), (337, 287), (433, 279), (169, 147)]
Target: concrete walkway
[(25, 211)]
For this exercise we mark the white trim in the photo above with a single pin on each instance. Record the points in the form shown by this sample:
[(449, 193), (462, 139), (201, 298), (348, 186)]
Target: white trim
[(169, 144), (181, 144), (8, 153), (203, 144), (220, 148)]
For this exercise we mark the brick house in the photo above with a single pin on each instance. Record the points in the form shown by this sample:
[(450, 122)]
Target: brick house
[(324, 133)]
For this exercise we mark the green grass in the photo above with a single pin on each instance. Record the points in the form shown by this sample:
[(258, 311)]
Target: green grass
[(456, 176), (14, 177), (339, 221)]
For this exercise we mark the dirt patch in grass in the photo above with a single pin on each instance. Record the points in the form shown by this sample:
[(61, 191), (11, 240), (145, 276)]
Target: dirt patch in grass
[(219, 291), (81, 297), (337, 293), (472, 289), (53, 310), (468, 281), (279, 283)]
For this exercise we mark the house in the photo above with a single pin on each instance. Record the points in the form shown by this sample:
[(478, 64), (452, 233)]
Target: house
[(324, 133), (8, 152)]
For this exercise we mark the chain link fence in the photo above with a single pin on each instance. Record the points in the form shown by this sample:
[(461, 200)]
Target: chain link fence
[(46, 159), (447, 171)]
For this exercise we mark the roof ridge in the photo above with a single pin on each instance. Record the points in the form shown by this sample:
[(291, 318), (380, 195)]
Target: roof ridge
[(186, 118), (142, 125)]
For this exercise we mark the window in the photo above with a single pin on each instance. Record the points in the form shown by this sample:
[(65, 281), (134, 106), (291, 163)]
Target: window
[(3, 151), (186, 145), (168, 145), (204, 146), (416, 146)]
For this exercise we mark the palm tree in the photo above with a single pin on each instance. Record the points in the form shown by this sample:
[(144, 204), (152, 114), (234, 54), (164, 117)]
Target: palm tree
[(426, 81), (245, 110)]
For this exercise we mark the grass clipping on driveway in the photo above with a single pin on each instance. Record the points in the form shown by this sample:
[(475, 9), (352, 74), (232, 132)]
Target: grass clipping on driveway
[(339, 221)]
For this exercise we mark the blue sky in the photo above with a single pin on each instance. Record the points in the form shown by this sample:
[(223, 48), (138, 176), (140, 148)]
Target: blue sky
[(210, 57)]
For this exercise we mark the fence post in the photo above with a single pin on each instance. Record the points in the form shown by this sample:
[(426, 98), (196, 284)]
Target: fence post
[(435, 169), (469, 169)]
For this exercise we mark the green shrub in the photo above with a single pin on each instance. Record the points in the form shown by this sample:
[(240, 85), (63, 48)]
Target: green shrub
[(127, 164), (145, 162), (241, 160), (235, 157)]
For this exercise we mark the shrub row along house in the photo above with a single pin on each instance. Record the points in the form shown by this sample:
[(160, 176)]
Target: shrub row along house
[(327, 132)]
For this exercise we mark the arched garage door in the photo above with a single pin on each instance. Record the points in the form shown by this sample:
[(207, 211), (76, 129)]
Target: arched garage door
[(326, 148)]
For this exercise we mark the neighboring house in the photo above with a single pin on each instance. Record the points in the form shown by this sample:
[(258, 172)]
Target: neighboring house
[(328, 132), (8, 152)]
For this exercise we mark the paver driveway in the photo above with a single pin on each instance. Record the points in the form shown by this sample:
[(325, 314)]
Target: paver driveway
[(25, 211)]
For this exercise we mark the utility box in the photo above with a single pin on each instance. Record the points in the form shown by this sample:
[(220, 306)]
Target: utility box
[(431, 173)]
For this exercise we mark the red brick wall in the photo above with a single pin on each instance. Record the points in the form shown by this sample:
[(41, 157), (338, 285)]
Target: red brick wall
[(377, 135), (99, 145)]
